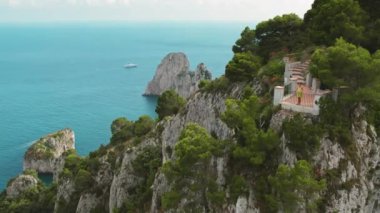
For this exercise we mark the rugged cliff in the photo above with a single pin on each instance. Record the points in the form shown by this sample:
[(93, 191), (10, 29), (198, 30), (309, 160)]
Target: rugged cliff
[(46, 154), (351, 170), (174, 73), (121, 184), (131, 173)]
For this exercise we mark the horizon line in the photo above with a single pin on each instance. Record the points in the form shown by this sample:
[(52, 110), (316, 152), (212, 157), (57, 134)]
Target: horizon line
[(121, 21)]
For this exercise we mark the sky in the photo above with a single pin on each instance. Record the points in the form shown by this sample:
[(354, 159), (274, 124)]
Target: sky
[(148, 10)]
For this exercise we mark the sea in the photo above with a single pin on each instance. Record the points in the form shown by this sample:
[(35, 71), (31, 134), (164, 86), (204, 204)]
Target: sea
[(71, 75)]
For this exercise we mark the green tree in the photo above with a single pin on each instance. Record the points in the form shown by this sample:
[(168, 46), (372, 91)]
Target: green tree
[(143, 125), (119, 123), (280, 34), (83, 180), (255, 145), (243, 67), (373, 35), (169, 103), (295, 187), (246, 42), (328, 20), (371, 7), (274, 68), (372, 25), (346, 65), (303, 136)]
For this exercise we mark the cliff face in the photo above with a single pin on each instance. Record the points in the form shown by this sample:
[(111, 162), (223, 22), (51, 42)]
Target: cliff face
[(174, 73), (354, 186), (204, 109), (201, 106), (46, 155), (120, 184), (132, 172), (125, 181)]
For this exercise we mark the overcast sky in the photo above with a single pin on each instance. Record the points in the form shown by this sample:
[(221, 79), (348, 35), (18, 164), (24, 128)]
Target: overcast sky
[(148, 10)]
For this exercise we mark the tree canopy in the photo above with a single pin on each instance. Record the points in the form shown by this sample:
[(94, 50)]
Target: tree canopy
[(345, 19), (280, 34), (169, 103), (246, 42), (347, 65), (371, 7), (254, 144), (243, 67)]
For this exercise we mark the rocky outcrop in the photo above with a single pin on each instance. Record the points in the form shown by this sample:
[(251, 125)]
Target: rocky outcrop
[(204, 109), (358, 171), (355, 168), (46, 155), (20, 184), (126, 179), (87, 203), (174, 73)]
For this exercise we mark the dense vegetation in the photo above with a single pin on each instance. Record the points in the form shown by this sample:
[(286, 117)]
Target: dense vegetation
[(123, 130), (343, 51)]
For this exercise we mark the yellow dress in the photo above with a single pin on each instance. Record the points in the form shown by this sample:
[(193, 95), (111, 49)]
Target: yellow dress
[(299, 92)]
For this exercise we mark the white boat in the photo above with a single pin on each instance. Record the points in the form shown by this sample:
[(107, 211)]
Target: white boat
[(130, 65)]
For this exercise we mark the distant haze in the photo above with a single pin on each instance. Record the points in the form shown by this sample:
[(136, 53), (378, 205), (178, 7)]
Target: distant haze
[(148, 10)]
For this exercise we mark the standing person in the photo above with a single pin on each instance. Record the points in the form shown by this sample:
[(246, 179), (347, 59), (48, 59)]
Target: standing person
[(299, 93)]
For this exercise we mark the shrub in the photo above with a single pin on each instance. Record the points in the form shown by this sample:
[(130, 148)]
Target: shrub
[(303, 137), (143, 125), (170, 199), (255, 145), (72, 162), (203, 84), (274, 68), (220, 84), (238, 186), (169, 103), (123, 135), (243, 67), (31, 172), (83, 180), (118, 124)]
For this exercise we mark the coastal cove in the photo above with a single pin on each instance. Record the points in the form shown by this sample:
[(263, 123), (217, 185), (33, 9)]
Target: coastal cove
[(55, 76)]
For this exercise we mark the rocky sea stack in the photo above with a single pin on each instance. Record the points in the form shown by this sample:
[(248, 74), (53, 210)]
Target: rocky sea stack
[(46, 154), (174, 73)]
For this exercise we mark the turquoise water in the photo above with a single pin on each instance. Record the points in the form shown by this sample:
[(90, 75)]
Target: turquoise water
[(55, 76)]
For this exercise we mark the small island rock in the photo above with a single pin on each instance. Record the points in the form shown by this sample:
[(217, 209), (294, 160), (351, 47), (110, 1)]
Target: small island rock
[(174, 73), (46, 155)]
